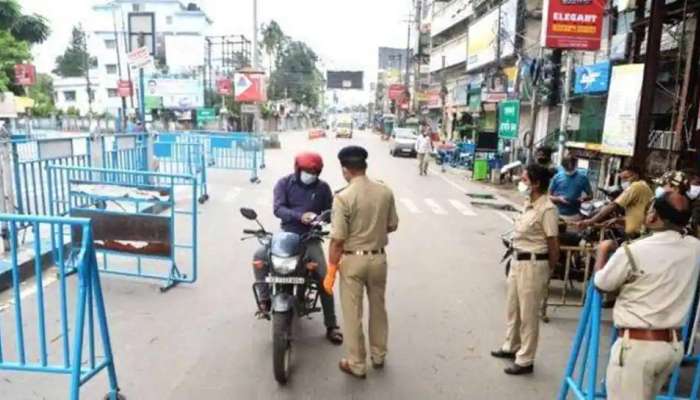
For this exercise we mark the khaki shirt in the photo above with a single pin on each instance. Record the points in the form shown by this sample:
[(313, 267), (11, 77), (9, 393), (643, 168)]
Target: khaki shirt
[(362, 214), (635, 200), (659, 293), (538, 221)]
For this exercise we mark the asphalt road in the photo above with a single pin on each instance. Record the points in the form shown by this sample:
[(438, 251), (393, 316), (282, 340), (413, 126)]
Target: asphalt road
[(445, 299)]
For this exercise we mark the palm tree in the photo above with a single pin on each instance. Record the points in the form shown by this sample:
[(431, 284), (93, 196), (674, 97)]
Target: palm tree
[(273, 40), (26, 28)]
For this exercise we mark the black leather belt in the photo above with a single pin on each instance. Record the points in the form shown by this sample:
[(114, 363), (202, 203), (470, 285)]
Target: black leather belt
[(528, 256), (364, 252)]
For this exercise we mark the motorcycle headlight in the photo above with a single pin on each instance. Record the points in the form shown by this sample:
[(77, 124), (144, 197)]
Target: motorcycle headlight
[(284, 265)]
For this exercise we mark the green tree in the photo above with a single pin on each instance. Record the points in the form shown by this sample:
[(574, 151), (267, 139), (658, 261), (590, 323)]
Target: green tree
[(42, 94), (273, 40), (17, 33), (296, 75), (75, 60)]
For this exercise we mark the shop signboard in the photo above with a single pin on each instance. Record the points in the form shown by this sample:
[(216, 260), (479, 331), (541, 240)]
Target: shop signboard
[(396, 91), (573, 24), (482, 36), (25, 74), (508, 119), (620, 126), (593, 78), (206, 114)]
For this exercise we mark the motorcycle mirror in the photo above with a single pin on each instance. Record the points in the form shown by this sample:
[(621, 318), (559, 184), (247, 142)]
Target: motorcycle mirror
[(249, 213)]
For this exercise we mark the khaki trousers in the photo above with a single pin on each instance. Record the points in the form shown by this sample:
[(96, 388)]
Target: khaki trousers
[(357, 273), (638, 369), (423, 160), (527, 285)]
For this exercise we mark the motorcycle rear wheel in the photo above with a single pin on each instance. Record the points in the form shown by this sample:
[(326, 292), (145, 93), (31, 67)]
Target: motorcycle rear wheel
[(281, 345)]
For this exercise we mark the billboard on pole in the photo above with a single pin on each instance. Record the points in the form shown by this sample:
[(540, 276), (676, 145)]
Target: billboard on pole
[(620, 126), (345, 79), (249, 86), (482, 47), (573, 24)]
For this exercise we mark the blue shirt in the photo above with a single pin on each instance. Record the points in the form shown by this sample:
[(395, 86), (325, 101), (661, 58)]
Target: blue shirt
[(571, 188), (292, 199)]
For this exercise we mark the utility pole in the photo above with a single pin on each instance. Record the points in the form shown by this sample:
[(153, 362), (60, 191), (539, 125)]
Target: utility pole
[(256, 116), (419, 60), (119, 69), (126, 51), (407, 79), (534, 108), (86, 65), (565, 104)]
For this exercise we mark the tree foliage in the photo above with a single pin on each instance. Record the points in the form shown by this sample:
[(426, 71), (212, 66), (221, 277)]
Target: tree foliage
[(17, 33), (74, 61), (42, 94), (296, 76), (273, 40)]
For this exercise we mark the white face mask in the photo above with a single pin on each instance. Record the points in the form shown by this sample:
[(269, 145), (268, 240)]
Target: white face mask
[(625, 184), (524, 188), (694, 192), (307, 178)]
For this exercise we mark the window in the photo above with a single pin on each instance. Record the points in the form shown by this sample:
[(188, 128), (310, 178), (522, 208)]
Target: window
[(136, 7), (69, 95), (111, 68), (110, 43), (112, 93), (169, 20)]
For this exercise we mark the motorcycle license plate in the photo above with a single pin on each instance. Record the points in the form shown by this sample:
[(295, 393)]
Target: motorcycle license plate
[(285, 280)]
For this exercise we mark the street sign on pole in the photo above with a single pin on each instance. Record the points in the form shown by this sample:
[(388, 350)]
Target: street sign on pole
[(124, 88), (508, 119), (139, 58), (224, 87), (25, 74)]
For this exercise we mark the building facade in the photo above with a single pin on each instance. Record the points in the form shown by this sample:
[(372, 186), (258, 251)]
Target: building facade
[(177, 46)]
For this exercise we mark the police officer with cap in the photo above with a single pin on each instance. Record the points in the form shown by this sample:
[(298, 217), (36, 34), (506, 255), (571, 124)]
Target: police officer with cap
[(364, 213)]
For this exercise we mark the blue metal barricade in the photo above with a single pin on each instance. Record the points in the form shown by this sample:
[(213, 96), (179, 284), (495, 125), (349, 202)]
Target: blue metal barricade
[(183, 159), (134, 215), (127, 151), (29, 161), (70, 352), (581, 377)]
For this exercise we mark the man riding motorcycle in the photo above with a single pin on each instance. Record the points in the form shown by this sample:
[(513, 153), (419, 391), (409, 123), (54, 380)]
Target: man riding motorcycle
[(298, 199)]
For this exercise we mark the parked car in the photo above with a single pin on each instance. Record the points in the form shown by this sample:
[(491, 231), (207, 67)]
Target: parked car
[(343, 129), (403, 142), (317, 133)]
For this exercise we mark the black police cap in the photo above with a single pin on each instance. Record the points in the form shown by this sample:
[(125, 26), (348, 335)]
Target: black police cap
[(352, 153)]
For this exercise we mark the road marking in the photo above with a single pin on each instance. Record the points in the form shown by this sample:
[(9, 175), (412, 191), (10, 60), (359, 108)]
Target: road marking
[(462, 208), (504, 216), (410, 205), (435, 207)]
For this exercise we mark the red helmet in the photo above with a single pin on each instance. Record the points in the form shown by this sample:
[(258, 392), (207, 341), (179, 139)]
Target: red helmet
[(309, 162)]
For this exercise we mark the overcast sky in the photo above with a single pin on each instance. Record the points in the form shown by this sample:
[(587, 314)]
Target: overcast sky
[(345, 33)]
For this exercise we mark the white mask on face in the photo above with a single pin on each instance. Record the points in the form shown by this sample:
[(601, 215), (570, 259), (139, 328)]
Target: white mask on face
[(625, 184), (307, 178), (660, 191), (524, 188), (694, 192)]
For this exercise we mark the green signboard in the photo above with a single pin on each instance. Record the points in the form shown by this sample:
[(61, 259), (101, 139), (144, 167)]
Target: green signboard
[(206, 114), (153, 102), (508, 119)]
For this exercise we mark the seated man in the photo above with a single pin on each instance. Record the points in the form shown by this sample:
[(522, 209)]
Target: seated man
[(568, 189), (298, 199), (657, 278)]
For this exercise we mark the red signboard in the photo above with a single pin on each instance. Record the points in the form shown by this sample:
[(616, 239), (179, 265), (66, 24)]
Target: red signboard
[(25, 74), (249, 86), (124, 88), (396, 91), (573, 24), (224, 87)]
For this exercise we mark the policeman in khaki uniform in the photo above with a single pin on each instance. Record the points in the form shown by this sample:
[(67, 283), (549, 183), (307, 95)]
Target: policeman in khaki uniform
[(364, 213), (536, 252), (657, 278)]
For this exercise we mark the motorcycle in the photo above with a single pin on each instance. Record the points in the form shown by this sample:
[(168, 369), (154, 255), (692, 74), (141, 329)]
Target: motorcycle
[(294, 289)]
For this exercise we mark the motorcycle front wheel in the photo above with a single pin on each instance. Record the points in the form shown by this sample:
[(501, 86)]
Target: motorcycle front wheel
[(281, 345)]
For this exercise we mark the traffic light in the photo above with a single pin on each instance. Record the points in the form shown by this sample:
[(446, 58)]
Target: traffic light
[(550, 79)]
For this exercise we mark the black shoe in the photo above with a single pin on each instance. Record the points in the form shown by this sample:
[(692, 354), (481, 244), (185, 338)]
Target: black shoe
[(503, 354), (516, 369)]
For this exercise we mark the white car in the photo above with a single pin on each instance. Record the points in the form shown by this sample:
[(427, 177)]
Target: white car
[(403, 142)]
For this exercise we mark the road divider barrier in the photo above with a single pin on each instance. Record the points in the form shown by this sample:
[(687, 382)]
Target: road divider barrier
[(63, 328), (183, 159)]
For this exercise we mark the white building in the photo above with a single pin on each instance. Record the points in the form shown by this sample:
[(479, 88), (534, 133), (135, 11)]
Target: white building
[(180, 31)]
